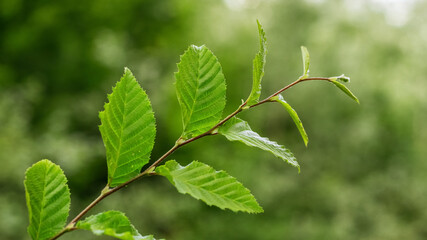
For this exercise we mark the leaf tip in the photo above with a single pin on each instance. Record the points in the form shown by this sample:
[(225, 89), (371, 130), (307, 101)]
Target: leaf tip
[(341, 78), (258, 210), (357, 100), (198, 48), (306, 142), (127, 71)]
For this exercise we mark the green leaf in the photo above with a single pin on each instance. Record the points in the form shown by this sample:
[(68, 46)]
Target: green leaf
[(341, 78), (258, 67), (294, 117), (305, 62), (213, 187), (236, 129), (112, 223), (345, 90), (48, 199), (200, 88), (128, 130)]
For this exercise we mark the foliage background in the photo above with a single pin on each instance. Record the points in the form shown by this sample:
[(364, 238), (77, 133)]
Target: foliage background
[(363, 174)]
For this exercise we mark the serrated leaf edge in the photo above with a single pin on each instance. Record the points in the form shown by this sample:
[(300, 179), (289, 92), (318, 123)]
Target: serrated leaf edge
[(171, 179)]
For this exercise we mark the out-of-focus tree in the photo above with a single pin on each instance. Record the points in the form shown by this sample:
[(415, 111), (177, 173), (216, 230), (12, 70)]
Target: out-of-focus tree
[(363, 173)]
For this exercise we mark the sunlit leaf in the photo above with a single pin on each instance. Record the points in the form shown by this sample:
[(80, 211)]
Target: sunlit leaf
[(236, 129), (258, 67), (48, 199), (112, 223), (305, 61), (294, 117), (213, 187), (128, 130), (200, 88)]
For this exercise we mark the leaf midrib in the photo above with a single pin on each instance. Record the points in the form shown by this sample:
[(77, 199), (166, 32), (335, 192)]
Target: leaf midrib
[(214, 193), (43, 199), (115, 163), (197, 89)]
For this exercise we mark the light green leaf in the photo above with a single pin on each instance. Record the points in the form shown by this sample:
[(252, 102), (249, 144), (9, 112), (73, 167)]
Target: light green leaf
[(200, 87), (213, 187), (345, 90), (305, 62), (112, 223), (128, 130), (258, 67), (236, 129), (48, 199), (341, 78), (294, 117)]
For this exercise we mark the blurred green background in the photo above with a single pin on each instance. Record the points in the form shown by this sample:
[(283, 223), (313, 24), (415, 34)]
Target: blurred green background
[(363, 175)]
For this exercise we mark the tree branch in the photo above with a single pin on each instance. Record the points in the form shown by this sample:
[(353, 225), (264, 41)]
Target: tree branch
[(108, 191)]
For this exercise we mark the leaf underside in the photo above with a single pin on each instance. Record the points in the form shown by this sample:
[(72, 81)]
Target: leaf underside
[(128, 130), (213, 187), (201, 89), (294, 117), (238, 130), (48, 199), (112, 223), (258, 67)]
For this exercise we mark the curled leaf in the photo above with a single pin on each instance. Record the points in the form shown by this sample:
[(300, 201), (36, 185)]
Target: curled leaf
[(341, 78), (305, 62), (258, 67), (294, 117), (347, 91)]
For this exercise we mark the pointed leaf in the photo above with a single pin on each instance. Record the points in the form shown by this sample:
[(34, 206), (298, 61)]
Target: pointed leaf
[(236, 129), (213, 187), (128, 130), (345, 90), (48, 199), (258, 67), (305, 61), (112, 223), (200, 88), (294, 117)]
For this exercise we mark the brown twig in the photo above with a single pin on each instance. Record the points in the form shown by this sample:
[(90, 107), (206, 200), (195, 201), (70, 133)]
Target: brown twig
[(108, 191)]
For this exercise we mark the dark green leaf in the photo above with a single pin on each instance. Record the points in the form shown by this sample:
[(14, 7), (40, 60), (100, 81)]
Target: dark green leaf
[(128, 130), (213, 187), (48, 199), (200, 87)]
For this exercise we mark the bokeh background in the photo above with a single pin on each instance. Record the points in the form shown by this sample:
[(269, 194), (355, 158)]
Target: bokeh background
[(363, 174)]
